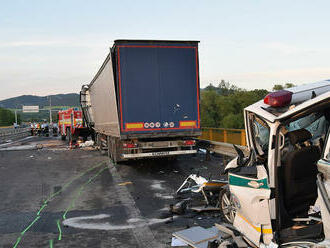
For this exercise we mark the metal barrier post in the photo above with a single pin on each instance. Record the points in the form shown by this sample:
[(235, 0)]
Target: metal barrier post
[(225, 136), (243, 140), (211, 134)]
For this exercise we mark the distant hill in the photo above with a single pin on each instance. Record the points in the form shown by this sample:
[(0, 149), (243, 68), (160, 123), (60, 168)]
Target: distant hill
[(71, 99)]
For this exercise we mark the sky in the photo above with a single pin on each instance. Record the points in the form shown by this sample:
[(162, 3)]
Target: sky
[(50, 47)]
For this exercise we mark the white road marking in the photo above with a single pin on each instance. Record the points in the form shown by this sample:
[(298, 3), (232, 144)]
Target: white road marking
[(19, 148), (157, 185), (85, 222), (16, 141)]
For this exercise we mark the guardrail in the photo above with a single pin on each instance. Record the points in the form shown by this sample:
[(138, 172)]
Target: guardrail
[(6, 127), (221, 140), (225, 135), (11, 133)]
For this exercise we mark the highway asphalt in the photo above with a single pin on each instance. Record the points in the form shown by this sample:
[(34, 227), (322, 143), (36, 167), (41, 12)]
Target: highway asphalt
[(58, 197)]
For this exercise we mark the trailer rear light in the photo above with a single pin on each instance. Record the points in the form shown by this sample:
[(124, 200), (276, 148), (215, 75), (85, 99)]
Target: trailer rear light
[(188, 124), (279, 98), (189, 142), (129, 145), (137, 125)]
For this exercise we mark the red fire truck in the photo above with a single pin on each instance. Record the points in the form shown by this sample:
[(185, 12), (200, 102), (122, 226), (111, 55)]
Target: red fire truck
[(71, 126)]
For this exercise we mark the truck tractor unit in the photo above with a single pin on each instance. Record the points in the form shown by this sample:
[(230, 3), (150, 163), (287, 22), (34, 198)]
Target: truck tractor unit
[(71, 125)]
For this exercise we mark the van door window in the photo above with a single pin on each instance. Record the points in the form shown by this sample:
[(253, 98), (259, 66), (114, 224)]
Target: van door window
[(260, 135)]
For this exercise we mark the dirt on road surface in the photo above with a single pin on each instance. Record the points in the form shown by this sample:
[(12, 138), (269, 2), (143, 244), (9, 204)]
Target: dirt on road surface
[(58, 197)]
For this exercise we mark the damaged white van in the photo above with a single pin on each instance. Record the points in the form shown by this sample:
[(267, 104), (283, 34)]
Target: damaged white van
[(281, 191)]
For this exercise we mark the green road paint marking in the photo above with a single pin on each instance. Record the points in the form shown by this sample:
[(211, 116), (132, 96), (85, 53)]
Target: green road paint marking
[(25, 230), (51, 243), (17, 241), (80, 190), (42, 207), (29, 226), (68, 183), (59, 230), (51, 198)]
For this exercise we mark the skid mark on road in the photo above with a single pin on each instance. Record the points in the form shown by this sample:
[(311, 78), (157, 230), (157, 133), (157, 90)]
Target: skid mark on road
[(52, 196), (142, 233)]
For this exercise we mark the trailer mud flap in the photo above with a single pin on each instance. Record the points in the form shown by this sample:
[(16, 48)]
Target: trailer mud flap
[(157, 154)]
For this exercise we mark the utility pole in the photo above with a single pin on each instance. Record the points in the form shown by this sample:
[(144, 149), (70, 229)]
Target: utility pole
[(50, 110), (16, 116)]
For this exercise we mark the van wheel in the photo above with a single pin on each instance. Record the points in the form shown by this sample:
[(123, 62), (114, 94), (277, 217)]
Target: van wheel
[(227, 207)]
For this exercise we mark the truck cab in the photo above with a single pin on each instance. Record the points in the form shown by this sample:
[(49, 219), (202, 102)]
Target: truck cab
[(71, 126), (277, 190)]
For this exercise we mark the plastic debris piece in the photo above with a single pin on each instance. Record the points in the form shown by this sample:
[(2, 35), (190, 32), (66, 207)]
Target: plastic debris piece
[(177, 242), (87, 143)]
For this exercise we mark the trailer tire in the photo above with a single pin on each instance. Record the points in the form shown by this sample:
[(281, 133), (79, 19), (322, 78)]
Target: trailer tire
[(113, 148)]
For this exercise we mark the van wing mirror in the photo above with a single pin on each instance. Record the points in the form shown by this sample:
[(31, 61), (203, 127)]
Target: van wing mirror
[(240, 154), (250, 160)]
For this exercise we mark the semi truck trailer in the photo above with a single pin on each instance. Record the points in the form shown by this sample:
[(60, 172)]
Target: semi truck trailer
[(144, 100)]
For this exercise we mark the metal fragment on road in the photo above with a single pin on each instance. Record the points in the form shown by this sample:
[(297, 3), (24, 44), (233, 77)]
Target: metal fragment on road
[(124, 183)]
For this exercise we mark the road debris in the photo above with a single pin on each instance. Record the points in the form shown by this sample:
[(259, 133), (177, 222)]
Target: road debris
[(197, 236), (163, 196), (223, 235), (124, 183), (87, 143), (207, 192), (179, 207)]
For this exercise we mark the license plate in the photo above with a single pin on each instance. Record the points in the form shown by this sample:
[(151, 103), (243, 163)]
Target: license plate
[(160, 153)]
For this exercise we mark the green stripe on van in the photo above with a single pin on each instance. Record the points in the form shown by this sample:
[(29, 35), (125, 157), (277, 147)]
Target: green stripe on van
[(244, 182)]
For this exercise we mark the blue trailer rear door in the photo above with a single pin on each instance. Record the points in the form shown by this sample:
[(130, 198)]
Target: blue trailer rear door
[(158, 87)]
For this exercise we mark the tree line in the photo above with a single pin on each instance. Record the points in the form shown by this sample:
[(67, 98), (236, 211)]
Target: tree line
[(222, 105), (7, 117)]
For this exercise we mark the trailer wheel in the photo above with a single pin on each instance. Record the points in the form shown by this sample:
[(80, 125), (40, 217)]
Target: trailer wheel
[(227, 207), (113, 149)]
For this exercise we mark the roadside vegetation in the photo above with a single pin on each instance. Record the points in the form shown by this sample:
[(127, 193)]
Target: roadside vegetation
[(222, 105), (7, 117)]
